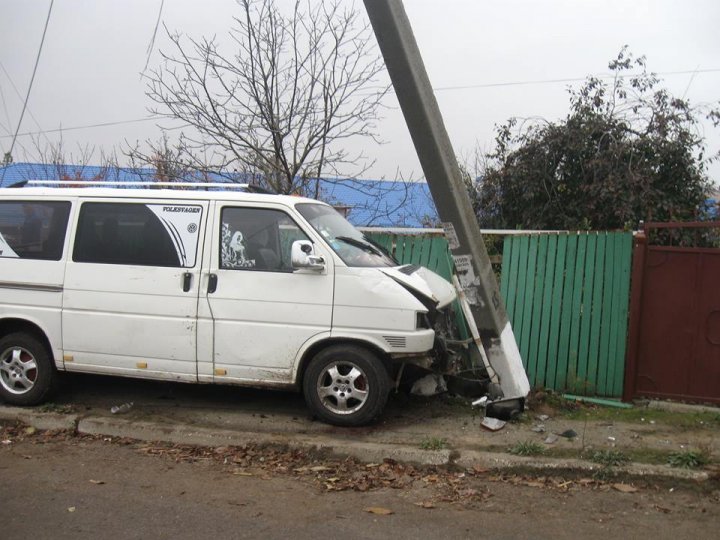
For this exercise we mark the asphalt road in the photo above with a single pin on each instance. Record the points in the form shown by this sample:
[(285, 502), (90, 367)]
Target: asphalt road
[(67, 487)]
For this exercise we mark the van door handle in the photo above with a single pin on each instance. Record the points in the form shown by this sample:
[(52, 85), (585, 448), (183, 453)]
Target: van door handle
[(187, 281), (212, 283)]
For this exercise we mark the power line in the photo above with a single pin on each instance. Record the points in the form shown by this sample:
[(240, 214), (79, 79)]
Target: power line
[(575, 79), (438, 89), (152, 40), (88, 126), (12, 83), (7, 115), (32, 79)]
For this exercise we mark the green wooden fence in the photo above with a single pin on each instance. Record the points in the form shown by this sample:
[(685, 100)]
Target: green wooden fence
[(567, 298), (428, 250)]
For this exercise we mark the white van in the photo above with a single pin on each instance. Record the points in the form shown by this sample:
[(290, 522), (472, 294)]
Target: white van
[(207, 286)]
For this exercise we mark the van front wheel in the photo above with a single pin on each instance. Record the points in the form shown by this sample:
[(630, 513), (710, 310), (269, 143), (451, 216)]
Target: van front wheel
[(26, 370), (346, 385)]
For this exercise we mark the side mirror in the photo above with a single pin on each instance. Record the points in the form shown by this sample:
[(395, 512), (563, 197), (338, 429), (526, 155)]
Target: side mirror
[(303, 256)]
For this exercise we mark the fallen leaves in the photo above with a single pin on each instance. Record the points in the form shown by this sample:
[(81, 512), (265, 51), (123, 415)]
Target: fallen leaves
[(378, 510), (333, 475), (554, 482), (18, 432), (433, 485)]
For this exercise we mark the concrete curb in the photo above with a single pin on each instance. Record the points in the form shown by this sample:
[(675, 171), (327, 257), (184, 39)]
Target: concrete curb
[(672, 406), (327, 445), (193, 435), (40, 420), (501, 461)]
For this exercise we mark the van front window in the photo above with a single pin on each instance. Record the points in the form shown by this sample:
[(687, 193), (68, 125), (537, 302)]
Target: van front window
[(352, 246)]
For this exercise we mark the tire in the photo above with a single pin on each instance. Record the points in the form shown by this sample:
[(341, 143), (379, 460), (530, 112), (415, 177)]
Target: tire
[(27, 372), (346, 385)]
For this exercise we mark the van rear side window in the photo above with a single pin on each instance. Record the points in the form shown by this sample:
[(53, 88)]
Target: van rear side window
[(33, 229), (138, 234)]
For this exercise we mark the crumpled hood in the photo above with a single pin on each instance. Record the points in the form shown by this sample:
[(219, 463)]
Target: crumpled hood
[(423, 281)]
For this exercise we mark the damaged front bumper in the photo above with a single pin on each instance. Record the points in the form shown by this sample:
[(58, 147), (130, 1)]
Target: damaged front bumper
[(471, 368), (452, 366)]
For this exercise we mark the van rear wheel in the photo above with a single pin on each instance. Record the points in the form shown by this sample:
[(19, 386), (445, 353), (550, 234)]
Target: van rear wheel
[(26, 369), (345, 385)]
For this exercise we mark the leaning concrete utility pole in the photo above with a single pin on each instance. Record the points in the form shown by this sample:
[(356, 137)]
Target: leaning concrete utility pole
[(442, 173)]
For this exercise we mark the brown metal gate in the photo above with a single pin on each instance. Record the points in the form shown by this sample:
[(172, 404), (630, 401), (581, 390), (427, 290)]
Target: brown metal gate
[(674, 339)]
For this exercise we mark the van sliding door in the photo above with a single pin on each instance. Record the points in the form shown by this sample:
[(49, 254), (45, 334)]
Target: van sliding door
[(131, 288)]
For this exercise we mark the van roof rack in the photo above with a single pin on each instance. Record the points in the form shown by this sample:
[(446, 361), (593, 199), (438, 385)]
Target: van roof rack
[(143, 183)]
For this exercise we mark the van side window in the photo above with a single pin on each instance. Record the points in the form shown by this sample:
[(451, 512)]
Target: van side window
[(33, 229), (257, 239), (138, 234)]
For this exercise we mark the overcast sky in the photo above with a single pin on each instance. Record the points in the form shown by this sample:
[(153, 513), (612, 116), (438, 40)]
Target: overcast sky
[(89, 70)]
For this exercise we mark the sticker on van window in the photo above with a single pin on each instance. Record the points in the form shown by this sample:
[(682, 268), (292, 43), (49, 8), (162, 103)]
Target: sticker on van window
[(182, 224), (234, 250), (5, 249)]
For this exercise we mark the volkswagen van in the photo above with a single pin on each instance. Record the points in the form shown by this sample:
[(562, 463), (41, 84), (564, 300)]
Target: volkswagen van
[(225, 287)]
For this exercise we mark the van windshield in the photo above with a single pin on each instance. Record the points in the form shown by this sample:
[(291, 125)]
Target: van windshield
[(352, 246)]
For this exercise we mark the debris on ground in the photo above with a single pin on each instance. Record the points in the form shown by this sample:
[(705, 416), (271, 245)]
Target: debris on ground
[(480, 402), (121, 409), (492, 424), (551, 439), (624, 488), (568, 434), (429, 385), (379, 510)]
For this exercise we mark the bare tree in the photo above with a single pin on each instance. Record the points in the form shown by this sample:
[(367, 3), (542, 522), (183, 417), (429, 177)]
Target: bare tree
[(52, 161), (166, 161), (283, 101)]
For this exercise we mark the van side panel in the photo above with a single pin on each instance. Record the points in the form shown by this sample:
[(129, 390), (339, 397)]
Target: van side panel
[(118, 316), (31, 280), (32, 291), (136, 318)]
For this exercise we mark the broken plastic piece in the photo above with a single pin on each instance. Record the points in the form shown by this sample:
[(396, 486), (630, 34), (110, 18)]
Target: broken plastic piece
[(492, 424), (121, 409), (551, 439), (480, 402), (505, 409), (599, 401), (429, 385)]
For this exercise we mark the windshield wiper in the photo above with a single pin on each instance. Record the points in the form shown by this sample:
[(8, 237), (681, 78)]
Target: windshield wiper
[(360, 244), (380, 247)]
